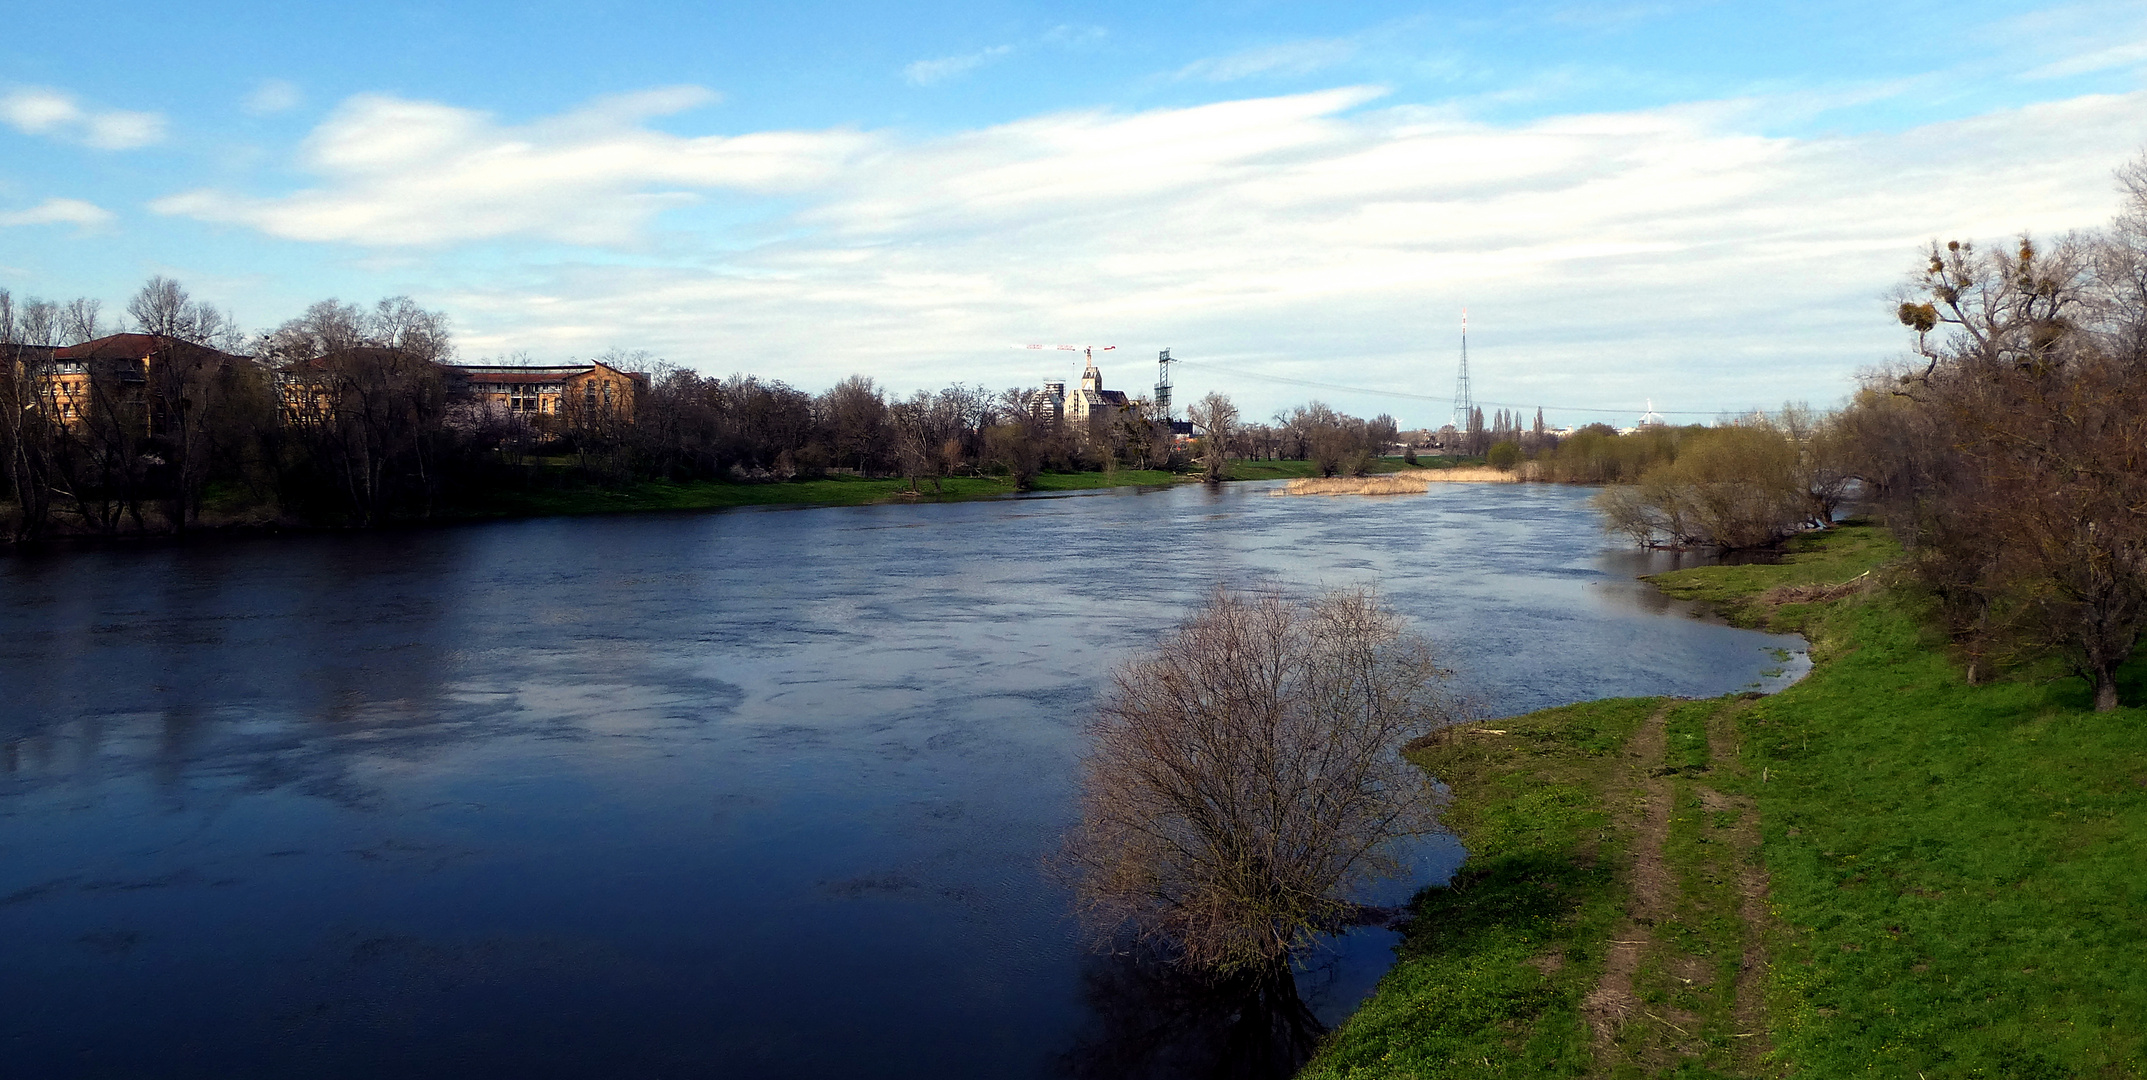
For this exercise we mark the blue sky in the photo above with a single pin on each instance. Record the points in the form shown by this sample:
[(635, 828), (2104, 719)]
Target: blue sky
[(1699, 204)]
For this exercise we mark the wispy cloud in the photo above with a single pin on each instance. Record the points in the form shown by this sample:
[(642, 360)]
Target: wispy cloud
[(1075, 35), (44, 111), (1289, 58), (271, 96), (1307, 235), (2077, 39), (2127, 55), (59, 212), (934, 72), (1604, 16), (403, 173), (1066, 36)]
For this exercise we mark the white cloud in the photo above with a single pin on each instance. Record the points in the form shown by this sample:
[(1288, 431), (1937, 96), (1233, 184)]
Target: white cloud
[(273, 96), (38, 112), (1607, 258), (933, 72), (2125, 55), (59, 212), (2077, 39), (414, 173), (44, 111), (1074, 36), (1291, 58)]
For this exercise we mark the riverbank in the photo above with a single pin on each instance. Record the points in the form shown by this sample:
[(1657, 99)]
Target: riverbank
[(1878, 871), (233, 517), (860, 491)]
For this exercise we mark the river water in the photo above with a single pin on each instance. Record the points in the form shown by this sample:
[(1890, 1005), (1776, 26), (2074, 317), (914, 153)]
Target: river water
[(757, 793)]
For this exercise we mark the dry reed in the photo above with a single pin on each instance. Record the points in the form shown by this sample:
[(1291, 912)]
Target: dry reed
[(1409, 483)]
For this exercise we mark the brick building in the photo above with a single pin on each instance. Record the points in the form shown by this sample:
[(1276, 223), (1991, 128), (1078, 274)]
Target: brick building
[(540, 391)]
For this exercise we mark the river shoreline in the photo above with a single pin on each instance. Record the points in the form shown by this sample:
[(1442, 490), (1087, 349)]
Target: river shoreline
[(1799, 884), (687, 497)]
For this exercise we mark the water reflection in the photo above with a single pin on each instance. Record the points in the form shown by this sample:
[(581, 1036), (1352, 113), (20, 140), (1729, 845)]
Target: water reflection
[(763, 792), (1152, 1020)]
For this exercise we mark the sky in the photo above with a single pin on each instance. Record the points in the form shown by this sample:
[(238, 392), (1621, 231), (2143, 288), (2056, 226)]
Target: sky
[(1703, 206)]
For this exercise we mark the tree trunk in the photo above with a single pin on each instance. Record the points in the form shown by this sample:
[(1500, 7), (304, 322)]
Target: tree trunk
[(2105, 690)]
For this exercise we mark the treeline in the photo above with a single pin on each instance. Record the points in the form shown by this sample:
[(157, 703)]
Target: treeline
[(2009, 456), (349, 415), (172, 427), (1743, 484)]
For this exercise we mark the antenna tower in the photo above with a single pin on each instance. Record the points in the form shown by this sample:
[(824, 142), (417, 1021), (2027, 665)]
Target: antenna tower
[(1464, 402), (1163, 363)]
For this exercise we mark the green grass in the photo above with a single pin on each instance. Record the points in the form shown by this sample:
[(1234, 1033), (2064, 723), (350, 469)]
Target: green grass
[(1494, 969), (1957, 876), (710, 494), (848, 490), (1833, 555), (1272, 470), (832, 491), (1959, 869)]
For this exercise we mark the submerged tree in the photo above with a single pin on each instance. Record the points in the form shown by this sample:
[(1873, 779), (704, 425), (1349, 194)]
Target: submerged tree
[(1217, 420), (1246, 778)]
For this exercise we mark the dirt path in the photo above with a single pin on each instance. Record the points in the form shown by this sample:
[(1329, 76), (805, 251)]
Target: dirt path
[(1669, 994), (1752, 915), (1645, 815)]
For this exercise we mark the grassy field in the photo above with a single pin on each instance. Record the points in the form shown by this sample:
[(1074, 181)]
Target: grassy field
[(1881, 871), (832, 491)]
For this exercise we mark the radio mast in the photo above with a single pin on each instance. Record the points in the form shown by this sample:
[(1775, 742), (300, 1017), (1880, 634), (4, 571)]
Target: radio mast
[(1464, 402)]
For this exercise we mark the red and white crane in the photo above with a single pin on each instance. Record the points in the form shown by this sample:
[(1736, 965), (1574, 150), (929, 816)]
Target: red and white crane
[(1088, 351)]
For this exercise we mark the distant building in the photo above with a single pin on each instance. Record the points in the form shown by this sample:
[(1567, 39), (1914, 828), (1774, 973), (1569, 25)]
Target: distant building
[(112, 373), (1049, 403), (1092, 402), (538, 391), (1083, 408)]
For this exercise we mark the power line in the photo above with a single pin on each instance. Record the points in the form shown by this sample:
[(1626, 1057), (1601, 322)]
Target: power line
[(1427, 397)]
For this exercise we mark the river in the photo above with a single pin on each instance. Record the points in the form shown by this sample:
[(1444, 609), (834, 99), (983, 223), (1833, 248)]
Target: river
[(758, 793)]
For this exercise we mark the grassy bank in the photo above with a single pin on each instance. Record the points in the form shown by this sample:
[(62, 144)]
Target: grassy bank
[(848, 490), (233, 510), (1881, 871)]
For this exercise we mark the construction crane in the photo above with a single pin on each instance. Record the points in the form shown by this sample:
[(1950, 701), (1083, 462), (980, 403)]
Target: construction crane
[(1088, 351)]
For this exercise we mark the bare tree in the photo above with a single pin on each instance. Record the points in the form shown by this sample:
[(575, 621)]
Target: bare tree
[(1217, 420), (855, 415), (2024, 502), (1021, 440), (1246, 777)]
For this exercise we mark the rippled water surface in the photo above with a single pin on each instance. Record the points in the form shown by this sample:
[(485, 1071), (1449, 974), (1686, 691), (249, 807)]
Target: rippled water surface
[(757, 793)]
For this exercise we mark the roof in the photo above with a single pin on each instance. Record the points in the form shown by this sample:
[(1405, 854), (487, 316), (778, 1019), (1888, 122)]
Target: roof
[(549, 371), (526, 374), (133, 347), (520, 378)]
